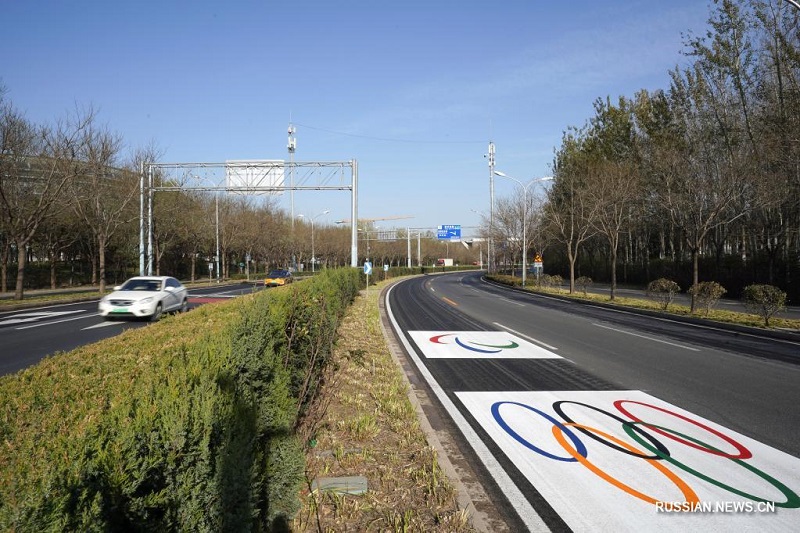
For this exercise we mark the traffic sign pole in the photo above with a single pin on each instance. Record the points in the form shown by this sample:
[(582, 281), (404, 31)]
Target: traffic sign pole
[(367, 271)]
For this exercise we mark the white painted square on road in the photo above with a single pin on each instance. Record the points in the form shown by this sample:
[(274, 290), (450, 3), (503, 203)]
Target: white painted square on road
[(627, 461), (477, 345)]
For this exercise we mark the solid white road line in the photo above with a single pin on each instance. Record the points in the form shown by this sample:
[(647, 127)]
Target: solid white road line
[(102, 325), (57, 321)]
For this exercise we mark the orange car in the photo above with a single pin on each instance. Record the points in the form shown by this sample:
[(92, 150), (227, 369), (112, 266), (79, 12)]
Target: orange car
[(278, 277)]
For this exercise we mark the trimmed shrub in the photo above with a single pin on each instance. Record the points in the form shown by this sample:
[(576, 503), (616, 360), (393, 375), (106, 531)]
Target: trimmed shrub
[(583, 282), (187, 424), (764, 300), (548, 281), (707, 294), (663, 291)]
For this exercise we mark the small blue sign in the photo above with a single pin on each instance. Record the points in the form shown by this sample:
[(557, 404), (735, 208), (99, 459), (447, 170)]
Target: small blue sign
[(449, 232), (367, 268)]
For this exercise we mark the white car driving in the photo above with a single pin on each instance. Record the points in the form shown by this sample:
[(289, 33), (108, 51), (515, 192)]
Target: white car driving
[(145, 296)]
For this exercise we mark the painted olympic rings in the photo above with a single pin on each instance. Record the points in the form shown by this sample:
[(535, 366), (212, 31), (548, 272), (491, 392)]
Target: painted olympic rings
[(638, 430), (744, 453), (687, 491), (575, 440), (792, 499), (622, 448)]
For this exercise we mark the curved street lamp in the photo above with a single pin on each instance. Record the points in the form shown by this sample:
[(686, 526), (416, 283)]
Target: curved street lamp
[(525, 187), (313, 257)]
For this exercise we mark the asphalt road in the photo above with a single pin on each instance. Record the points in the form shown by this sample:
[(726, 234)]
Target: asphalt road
[(29, 335), (744, 386)]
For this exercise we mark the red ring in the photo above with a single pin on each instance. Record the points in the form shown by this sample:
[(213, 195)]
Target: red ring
[(744, 453)]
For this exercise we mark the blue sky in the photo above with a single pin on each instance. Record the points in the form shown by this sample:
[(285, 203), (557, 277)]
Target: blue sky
[(413, 90)]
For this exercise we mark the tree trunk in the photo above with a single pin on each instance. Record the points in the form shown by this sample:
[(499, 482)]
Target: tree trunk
[(94, 270), (695, 275), (101, 244), (613, 271), (572, 257), (4, 267), (22, 259), (53, 256)]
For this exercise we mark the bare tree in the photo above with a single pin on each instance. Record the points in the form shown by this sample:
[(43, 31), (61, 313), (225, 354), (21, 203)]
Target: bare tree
[(705, 184), (507, 230), (616, 192), (36, 164), (55, 236), (102, 194), (570, 210)]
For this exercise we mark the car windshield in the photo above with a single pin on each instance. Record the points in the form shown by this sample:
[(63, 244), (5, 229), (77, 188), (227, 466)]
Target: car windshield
[(149, 285), (278, 274)]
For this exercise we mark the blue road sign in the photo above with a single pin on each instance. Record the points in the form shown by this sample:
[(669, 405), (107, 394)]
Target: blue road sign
[(367, 268), (449, 232)]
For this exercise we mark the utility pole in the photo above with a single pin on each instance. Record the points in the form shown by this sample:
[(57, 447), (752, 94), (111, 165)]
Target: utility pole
[(489, 254)]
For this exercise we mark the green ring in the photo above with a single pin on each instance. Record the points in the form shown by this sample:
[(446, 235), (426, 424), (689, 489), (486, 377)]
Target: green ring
[(792, 499)]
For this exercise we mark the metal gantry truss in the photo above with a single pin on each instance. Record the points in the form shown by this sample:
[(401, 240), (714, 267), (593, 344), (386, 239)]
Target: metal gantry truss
[(251, 177)]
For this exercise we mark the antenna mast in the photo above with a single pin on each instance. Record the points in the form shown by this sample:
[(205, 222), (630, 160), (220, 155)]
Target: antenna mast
[(291, 146)]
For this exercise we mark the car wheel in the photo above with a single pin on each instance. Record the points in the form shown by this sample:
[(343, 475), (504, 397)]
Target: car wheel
[(157, 314)]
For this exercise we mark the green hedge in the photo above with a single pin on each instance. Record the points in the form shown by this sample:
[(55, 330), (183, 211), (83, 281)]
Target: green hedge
[(187, 424)]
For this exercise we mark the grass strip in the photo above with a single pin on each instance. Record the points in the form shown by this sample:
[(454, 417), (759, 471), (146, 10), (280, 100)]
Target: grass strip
[(365, 425)]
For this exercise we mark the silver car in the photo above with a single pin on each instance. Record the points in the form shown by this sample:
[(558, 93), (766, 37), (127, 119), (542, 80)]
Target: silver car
[(145, 296)]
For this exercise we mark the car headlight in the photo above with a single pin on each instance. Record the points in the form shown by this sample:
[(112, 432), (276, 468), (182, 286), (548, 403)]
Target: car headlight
[(146, 300)]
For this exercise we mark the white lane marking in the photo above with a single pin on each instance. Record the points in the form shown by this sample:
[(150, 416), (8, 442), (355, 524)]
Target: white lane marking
[(22, 318), (102, 325), (526, 512), (58, 321), (50, 306), (515, 332), (646, 337), (520, 304)]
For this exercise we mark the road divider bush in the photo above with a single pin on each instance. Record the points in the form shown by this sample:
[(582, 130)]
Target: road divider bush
[(187, 424), (764, 300), (663, 291)]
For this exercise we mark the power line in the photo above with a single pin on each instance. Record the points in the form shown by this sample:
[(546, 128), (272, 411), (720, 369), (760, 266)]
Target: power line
[(386, 139)]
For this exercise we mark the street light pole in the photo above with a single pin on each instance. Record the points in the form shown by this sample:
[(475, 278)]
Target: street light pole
[(408, 245), (525, 187), (313, 256), (489, 253)]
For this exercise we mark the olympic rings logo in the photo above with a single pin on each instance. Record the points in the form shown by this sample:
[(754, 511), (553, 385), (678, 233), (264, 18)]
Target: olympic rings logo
[(648, 436)]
